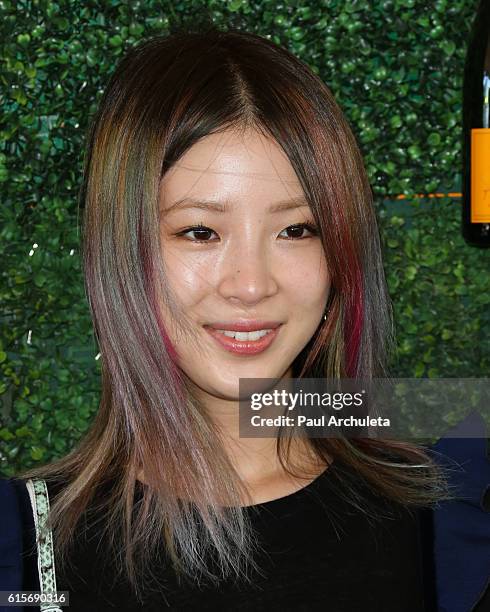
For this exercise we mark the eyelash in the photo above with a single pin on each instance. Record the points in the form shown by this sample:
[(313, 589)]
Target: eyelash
[(310, 226)]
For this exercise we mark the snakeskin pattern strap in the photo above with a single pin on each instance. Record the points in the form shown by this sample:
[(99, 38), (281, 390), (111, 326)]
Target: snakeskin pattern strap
[(38, 493)]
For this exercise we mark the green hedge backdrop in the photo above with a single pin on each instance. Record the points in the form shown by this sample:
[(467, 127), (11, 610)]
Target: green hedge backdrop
[(396, 69)]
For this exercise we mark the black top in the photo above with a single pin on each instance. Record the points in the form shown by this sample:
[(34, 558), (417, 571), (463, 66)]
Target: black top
[(322, 553)]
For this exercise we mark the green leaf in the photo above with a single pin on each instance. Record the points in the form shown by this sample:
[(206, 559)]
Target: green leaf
[(6, 435), (37, 453), (23, 432)]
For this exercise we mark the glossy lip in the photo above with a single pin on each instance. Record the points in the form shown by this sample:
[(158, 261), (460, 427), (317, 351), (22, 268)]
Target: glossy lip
[(244, 325), (243, 347)]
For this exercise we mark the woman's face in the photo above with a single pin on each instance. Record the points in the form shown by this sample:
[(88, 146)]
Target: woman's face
[(253, 262)]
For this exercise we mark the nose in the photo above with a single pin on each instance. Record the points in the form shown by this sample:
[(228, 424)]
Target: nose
[(247, 273)]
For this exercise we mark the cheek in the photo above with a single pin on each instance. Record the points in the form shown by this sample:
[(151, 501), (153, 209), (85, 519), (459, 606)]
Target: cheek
[(307, 282), (189, 276), (303, 279)]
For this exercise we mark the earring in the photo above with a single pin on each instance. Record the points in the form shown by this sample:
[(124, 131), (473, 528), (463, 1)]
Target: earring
[(325, 315)]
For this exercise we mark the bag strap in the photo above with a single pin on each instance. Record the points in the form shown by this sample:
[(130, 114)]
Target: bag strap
[(38, 494)]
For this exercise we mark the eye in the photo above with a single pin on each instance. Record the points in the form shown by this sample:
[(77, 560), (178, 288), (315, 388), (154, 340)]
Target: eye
[(199, 229), (300, 227), (202, 231)]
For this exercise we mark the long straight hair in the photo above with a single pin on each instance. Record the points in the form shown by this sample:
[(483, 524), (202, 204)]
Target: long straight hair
[(163, 97)]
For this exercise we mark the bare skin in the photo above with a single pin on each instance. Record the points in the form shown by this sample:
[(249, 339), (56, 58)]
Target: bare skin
[(248, 268)]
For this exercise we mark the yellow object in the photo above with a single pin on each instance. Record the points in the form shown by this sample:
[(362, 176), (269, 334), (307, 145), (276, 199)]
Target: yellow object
[(480, 175)]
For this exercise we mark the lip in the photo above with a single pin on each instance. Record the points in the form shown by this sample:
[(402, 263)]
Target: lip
[(244, 325), (243, 347)]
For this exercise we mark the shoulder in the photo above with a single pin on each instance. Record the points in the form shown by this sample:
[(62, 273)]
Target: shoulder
[(18, 548), (14, 511), (461, 527), (15, 503), (464, 451)]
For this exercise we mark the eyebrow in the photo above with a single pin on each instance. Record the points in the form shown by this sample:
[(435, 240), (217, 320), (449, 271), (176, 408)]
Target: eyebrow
[(223, 207)]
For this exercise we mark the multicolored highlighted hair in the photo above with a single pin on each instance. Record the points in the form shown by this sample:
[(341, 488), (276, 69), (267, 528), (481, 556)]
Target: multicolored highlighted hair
[(163, 97)]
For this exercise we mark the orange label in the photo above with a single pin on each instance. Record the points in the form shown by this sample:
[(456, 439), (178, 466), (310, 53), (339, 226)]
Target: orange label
[(480, 175)]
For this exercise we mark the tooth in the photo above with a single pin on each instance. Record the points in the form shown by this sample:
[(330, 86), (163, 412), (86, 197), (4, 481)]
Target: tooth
[(245, 336)]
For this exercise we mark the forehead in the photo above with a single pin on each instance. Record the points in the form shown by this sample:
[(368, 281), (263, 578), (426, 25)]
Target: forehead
[(229, 164)]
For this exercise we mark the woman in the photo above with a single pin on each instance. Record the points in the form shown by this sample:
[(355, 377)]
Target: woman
[(224, 190)]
